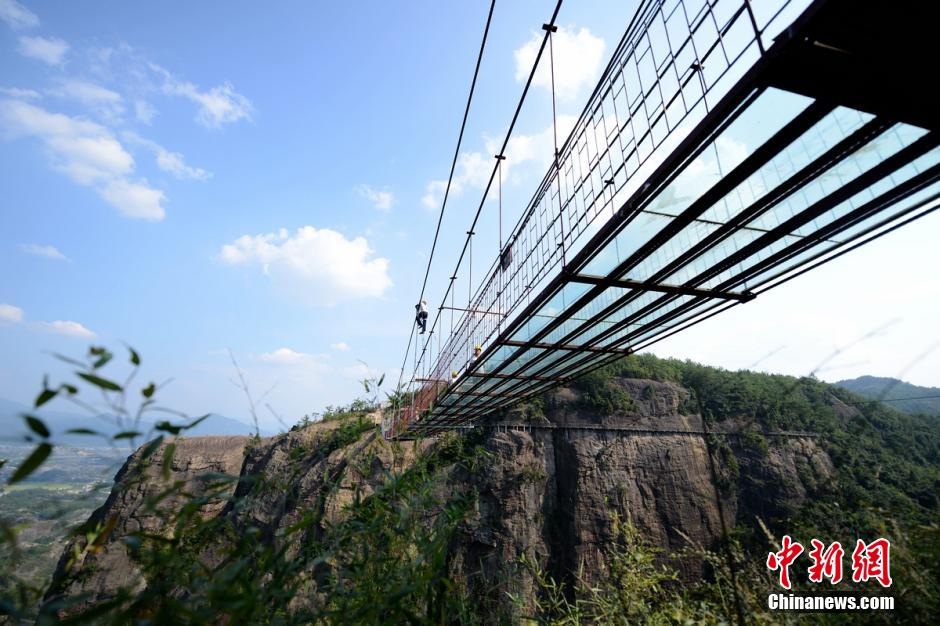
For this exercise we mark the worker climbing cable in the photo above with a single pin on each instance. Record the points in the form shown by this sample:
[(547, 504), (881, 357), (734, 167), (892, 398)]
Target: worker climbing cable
[(421, 315)]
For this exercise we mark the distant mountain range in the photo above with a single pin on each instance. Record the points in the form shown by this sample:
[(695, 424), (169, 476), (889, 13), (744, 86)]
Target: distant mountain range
[(896, 393), (13, 428)]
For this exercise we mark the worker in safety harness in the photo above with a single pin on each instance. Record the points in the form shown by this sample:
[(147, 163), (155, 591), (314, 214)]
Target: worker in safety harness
[(421, 315), (477, 350)]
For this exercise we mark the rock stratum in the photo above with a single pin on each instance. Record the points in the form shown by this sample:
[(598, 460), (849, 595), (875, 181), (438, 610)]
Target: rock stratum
[(550, 485)]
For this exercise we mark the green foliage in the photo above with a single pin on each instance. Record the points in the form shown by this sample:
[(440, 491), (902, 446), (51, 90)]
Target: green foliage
[(358, 407), (527, 410), (896, 393), (637, 588), (532, 474), (387, 557), (600, 392), (755, 442), (385, 560), (887, 463), (19, 596)]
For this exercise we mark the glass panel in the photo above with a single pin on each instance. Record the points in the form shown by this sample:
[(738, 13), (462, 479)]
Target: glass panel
[(558, 303), (527, 356), (589, 310), (630, 308), (536, 368), (770, 112), (491, 362), (822, 136), (654, 315), (654, 331)]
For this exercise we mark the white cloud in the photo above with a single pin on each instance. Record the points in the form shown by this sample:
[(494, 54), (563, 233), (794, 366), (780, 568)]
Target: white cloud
[(68, 328), (342, 346), (49, 50), (10, 313), (20, 94), (106, 103), (88, 154), (360, 371), (538, 148), (218, 106), (85, 151), (578, 56), (172, 162), (17, 16), (49, 252), (286, 356), (703, 172), (474, 168), (381, 200), (144, 112), (135, 200), (328, 265)]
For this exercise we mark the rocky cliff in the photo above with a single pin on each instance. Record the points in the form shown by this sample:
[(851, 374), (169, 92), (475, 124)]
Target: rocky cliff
[(550, 484)]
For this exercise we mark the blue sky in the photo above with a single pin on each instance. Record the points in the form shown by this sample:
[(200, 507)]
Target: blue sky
[(191, 178)]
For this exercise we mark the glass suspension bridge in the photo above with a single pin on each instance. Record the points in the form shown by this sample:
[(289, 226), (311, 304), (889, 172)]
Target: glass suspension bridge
[(729, 147)]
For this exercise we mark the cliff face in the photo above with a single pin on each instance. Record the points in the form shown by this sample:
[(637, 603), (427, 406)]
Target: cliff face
[(549, 488)]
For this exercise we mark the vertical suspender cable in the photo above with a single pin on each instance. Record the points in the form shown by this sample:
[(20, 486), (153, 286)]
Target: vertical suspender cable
[(509, 132), (551, 29), (499, 267), (469, 292), (450, 178), (499, 164)]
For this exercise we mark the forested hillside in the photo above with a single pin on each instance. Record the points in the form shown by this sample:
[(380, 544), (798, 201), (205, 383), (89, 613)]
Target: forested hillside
[(605, 503), (896, 393)]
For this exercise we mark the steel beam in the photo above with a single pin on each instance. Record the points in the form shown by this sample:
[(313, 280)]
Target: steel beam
[(562, 346), (640, 285)]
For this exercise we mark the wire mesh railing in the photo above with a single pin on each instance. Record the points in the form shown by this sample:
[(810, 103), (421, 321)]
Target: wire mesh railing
[(677, 59)]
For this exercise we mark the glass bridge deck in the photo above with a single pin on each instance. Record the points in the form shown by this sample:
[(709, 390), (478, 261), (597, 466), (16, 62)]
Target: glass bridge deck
[(729, 147)]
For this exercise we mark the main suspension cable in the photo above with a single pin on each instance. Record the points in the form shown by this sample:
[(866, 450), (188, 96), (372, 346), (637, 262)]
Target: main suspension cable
[(502, 150), (450, 178)]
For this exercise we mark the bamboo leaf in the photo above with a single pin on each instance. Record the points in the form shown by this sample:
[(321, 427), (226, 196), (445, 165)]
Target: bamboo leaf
[(167, 427), (40, 454), (36, 425), (197, 421), (103, 383), (151, 447), (81, 431), (168, 453), (102, 360), (68, 360), (44, 396)]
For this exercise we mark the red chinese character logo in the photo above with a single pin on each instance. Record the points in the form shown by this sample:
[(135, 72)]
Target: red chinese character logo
[(782, 560), (872, 561), (826, 563)]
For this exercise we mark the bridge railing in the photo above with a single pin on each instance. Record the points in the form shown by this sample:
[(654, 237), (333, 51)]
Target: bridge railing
[(677, 59)]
